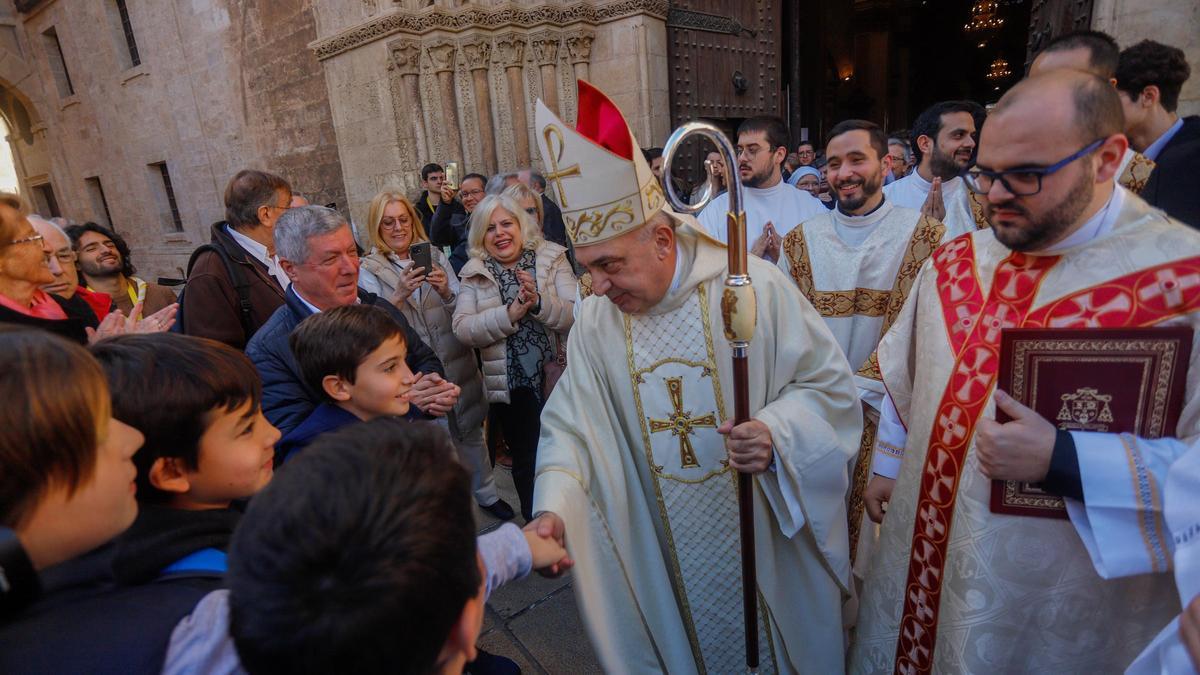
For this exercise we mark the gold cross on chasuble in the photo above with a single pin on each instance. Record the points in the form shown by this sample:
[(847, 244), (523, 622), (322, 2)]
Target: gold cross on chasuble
[(556, 174), (682, 424)]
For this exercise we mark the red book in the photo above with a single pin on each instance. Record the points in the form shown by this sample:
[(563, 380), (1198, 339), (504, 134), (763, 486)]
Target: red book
[(1112, 380)]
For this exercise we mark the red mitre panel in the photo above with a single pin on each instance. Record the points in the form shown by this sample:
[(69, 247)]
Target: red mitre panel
[(602, 123)]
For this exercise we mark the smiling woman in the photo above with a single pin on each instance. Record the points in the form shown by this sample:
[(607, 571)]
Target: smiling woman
[(516, 306)]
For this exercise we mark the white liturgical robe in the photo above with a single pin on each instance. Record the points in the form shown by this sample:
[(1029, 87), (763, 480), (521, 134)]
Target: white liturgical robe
[(784, 206), (1140, 514), (630, 458), (961, 216), (953, 587)]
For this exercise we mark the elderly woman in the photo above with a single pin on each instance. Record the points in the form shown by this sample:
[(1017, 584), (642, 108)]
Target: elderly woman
[(515, 304), (427, 299), (66, 469)]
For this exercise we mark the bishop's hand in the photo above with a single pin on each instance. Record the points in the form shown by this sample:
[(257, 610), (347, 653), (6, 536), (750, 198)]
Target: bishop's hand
[(1016, 450), (934, 206), (749, 445)]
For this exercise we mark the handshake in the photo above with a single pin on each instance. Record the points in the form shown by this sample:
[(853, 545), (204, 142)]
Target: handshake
[(546, 536)]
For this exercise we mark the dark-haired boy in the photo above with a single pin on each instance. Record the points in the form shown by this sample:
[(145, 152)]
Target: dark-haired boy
[(198, 402), (389, 577), (355, 357)]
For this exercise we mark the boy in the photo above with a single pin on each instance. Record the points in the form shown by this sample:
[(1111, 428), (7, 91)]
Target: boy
[(196, 402), (355, 357), (199, 404), (361, 558)]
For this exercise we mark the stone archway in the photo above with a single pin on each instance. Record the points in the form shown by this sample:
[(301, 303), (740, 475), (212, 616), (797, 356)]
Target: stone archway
[(26, 133)]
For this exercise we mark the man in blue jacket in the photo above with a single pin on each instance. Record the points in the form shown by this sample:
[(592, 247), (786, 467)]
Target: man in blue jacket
[(317, 252)]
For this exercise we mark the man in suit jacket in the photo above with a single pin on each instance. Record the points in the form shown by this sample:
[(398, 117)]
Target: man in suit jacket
[(1149, 77)]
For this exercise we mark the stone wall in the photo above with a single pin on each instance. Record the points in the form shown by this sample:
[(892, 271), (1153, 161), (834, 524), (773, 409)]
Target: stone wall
[(221, 86), (415, 82), (1171, 22)]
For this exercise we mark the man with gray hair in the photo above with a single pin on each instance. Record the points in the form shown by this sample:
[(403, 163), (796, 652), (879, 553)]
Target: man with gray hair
[(317, 252)]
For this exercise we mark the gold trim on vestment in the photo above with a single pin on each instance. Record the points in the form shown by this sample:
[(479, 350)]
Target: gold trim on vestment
[(1137, 173), (635, 376), (859, 480), (977, 211), (1146, 491), (925, 239)]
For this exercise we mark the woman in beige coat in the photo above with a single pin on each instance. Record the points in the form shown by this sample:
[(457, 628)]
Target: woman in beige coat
[(515, 304), (427, 298)]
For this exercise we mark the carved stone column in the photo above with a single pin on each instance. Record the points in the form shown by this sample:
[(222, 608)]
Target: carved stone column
[(406, 98), (579, 48), (545, 51), (441, 55), (510, 52), (478, 57)]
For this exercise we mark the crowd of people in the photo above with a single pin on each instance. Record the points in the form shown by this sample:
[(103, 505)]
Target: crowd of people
[(272, 469)]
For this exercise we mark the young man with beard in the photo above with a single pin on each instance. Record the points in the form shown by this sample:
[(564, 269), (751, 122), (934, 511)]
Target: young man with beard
[(651, 513), (106, 267), (856, 264), (943, 140), (772, 206), (952, 586)]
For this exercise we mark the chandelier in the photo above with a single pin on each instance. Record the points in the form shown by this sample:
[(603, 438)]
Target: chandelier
[(984, 16), (999, 70)]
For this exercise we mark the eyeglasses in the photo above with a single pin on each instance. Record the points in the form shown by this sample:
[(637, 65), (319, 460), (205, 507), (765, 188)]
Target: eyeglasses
[(27, 240), (471, 193), (65, 256), (390, 224), (531, 210), (1023, 182)]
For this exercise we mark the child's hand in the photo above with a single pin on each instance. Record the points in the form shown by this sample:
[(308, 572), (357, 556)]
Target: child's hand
[(549, 557)]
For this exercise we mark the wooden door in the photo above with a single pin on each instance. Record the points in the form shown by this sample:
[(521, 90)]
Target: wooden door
[(725, 66), (1050, 18)]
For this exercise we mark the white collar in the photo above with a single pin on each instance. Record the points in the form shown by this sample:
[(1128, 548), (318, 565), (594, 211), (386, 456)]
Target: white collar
[(948, 186), (678, 278), (1099, 224), (252, 247), (865, 220), (306, 302)]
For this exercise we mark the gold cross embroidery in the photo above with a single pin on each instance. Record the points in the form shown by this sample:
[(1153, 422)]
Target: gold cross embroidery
[(556, 174), (682, 424)]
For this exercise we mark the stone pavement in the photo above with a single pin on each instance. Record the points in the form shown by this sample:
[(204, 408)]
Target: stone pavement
[(534, 621)]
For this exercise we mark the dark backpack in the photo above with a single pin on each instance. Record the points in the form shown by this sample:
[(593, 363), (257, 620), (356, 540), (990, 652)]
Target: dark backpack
[(240, 285)]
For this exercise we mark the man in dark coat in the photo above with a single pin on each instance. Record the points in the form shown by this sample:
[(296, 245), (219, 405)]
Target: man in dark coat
[(317, 250)]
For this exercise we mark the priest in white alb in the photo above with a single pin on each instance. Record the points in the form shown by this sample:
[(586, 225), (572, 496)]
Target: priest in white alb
[(952, 586), (772, 206), (638, 455), (944, 137), (856, 264)]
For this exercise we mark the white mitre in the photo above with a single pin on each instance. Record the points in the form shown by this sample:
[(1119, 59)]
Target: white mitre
[(603, 183)]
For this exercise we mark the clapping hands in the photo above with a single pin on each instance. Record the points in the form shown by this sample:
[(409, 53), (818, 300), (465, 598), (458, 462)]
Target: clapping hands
[(116, 323), (527, 297)]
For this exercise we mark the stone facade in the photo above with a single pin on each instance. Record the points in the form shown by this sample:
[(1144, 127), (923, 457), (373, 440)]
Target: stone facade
[(415, 82), (221, 85)]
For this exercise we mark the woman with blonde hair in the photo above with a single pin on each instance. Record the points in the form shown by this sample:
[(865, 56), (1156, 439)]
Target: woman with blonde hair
[(427, 298), (515, 305), (529, 201)]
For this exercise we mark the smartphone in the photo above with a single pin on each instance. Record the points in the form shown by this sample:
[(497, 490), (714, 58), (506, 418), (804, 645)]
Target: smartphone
[(421, 255), (452, 175)]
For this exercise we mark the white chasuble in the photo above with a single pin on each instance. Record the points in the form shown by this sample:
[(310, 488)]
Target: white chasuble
[(857, 271), (951, 586), (630, 458)]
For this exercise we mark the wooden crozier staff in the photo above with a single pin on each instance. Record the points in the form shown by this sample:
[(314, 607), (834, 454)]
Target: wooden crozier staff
[(738, 310)]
